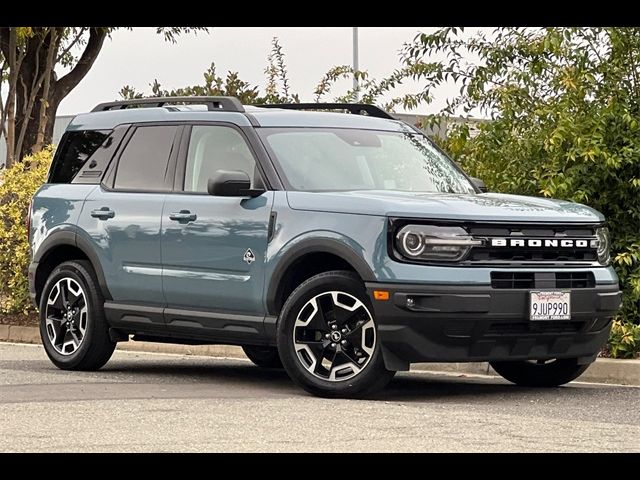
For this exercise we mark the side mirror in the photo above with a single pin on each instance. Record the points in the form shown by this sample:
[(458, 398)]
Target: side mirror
[(479, 184), (231, 183)]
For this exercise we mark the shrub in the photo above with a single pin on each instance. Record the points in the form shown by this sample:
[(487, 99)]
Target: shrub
[(17, 186), (624, 341)]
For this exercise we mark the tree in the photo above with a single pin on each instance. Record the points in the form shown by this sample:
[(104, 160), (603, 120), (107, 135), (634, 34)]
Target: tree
[(30, 59), (564, 105), (278, 85), (214, 85), (276, 91)]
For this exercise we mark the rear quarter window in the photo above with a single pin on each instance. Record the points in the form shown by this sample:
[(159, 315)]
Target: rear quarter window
[(74, 150)]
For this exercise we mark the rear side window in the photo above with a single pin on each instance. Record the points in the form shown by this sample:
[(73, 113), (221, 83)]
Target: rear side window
[(75, 149), (144, 163)]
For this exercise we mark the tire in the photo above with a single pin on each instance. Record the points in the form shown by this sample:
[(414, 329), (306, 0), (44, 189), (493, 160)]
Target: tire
[(308, 316), (531, 374), (264, 357), (82, 343)]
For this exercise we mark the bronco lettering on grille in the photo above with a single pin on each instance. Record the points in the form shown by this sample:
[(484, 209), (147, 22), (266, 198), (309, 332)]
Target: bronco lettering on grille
[(544, 243)]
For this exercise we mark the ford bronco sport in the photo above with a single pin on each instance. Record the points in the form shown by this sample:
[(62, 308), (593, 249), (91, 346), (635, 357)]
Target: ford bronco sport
[(340, 246)]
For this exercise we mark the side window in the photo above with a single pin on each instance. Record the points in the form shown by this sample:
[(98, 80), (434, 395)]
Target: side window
[(213, 148), (143, 164), (75, 149)]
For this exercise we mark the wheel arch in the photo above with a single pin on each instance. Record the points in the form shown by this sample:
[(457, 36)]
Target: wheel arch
[(330, 253), (61, 247)]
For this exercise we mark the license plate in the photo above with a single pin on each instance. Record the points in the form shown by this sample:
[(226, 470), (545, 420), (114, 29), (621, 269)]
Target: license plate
[(550, 305)]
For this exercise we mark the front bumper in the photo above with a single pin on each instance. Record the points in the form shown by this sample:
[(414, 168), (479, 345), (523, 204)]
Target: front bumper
[(458, 323)]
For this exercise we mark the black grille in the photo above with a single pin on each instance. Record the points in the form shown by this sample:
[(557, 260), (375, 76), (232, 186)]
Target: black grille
[(515, 328), (575, 280), (514, 280), (488, 254)]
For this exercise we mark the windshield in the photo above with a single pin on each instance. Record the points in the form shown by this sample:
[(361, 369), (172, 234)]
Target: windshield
[(321, 159)]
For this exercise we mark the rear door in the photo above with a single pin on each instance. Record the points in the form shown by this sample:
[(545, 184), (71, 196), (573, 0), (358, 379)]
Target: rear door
[(122, 218), (213, 248)]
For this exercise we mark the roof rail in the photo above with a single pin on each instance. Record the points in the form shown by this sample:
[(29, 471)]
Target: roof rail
[(355, 108), (228, 104)]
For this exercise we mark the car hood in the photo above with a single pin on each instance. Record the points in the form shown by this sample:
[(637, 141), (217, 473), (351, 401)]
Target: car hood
[(484, 207)]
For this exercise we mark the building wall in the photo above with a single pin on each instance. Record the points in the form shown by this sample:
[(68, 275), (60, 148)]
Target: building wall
[(416, 120)]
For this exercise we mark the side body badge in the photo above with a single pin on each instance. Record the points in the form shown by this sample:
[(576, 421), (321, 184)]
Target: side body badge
[(249, 257)]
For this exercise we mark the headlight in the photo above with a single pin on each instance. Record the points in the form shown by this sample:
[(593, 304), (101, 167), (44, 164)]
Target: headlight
[(434, 243), (604, 244)]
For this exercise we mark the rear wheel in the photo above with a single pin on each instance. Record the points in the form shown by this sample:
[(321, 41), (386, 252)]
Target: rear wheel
[(74, 332), (265, 357), (327, 337), (540, 373)]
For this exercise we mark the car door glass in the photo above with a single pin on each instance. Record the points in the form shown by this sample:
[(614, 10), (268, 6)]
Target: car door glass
[(213, 148), (144, 162)]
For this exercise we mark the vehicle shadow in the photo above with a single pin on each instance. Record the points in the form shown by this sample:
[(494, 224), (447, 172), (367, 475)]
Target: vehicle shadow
[(421, 386), (405, 387)]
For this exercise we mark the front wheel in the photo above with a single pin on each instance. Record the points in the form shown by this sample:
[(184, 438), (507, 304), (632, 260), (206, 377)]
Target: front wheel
[(327, 337), (540, 373)]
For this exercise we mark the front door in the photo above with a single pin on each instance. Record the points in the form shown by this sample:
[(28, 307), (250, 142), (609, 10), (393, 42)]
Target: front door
[(213, 248)]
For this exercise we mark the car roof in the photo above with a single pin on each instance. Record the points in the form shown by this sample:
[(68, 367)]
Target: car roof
[(277, 117), (253, 116)]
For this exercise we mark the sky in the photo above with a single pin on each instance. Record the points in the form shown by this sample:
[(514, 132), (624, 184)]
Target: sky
[(139, 56)]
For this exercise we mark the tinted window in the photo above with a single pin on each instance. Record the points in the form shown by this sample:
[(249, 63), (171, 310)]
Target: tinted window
[(213, 148), (75, 150), (143, 164)]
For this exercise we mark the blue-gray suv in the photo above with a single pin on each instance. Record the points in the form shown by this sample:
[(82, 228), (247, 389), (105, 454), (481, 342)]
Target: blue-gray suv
[(329, 239)]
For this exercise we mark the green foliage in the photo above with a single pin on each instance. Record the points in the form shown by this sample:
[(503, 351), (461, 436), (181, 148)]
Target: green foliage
[(214, 85), (17, 186), (277, 90), (624, 341), (565, 111), (278, 85), (171, 34)]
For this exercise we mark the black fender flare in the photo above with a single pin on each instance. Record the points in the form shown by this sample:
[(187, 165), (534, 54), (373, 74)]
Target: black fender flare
[(314, 245), (72, 239)]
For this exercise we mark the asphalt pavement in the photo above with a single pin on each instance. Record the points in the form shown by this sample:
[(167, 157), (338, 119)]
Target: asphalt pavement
[(165, 403)]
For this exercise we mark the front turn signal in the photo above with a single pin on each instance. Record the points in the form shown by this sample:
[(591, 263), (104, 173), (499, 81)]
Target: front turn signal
[(381, 295)]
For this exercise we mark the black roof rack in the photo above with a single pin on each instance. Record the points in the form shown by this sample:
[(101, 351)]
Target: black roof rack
[(228, 104), (355, 108)]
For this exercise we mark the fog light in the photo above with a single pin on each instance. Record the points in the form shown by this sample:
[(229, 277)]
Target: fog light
[(410, 302)]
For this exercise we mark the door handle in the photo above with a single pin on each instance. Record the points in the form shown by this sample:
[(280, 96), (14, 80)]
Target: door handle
[(103, 213), (183, 216)]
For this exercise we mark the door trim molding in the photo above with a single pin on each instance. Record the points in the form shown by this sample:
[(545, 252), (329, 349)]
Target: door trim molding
[(204, 275)]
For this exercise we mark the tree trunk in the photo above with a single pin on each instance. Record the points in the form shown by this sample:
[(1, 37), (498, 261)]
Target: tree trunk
[(35, 81), (34, 119), (43, 104), (30, 140), (58, 90), (31, 133), (15, 62)]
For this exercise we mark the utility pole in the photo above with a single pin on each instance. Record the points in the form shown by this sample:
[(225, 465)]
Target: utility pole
[(355, 62)]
